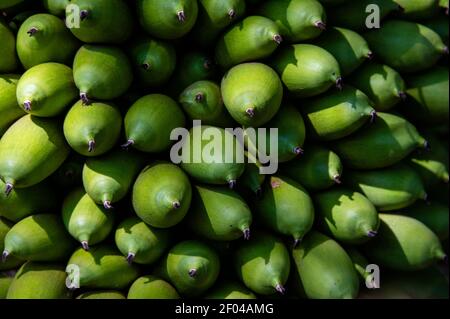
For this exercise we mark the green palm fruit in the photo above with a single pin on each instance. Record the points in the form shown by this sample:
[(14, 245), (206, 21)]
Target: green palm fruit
[(9, 110), (359, 262), (307, 70), (88, 223), (140, 242), (45, 38), (253, 38), (405, 244), (101, 72), (45, 90), (389, 188), (150, 121), (383, 85), (202, 100), (291, 135), (440, 25), (218, 213), (103, 21), (406, 46), (191, 266), (347, 215), (338, 114), (318, 169), (153, 61), (151, 287), (12, 262), (385, 142), (30, 151), (102, 294), (230, 290), (418, 9), (252, 93), (108, 179), (9, 61), (94, 129), (214, 161), (252, 179), (102, 267), (5, 282), (286, 208), (39, 237), (165, 203), (5, 4), (325, 269), (69, 174), (56, 7), (298, 20), (39, 281), (263, 264), (433, 215), (170, 19)]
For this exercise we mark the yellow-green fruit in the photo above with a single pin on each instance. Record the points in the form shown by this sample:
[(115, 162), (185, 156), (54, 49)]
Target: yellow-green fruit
[(151, 287), (434, 215), (418, 9), (230, 290), (12, 262), (359, 262), (9, 61), (5, 282), (56, 7), (252, 179), (102, 294), (9, 109)]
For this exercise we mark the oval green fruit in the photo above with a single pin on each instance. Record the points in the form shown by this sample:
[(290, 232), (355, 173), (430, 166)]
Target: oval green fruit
[(9, 61), (151, 287), (102, 294), (56, 7), (434, 215), (11, 262), (9, 109), (230, 290), (5, 282)]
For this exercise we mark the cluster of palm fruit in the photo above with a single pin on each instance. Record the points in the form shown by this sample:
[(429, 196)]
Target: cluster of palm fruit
[(86, 115)]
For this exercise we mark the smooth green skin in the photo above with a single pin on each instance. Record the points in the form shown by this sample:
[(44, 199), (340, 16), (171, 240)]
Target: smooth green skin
[(326, 271), (404, 243), (151, 287), (291, 134), (9, 110), (390, 188), (296, 19), (5, 282), (286, 207), (418, 9), (359, 262), (56, 7), (84, 220), (255, 86), (230, 290), (103, 294), (12, 262), (145, 242), (252, 179), (217, 162), (406, 46), (31, 138), (382, 84), (9, 61), (9, 3), (154, 202), (49, 87), (160, 56), (318, 169), (347, 215), (108, 21), (159, 18), (262, 263), (434, 215), (306, 70), (53, 41), (385, 142), (429, 96), (251, 39), (218, 213), (210, 110), (188, 255), (440, 25), (348, 48), (110, 177), (103, 267), (150, 121), (39, 237), (100, 122), (102, 72), (337, 114), (39, 281)]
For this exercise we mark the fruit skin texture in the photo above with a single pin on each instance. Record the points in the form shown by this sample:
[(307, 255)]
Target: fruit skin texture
[(263, 264), (31, 150), (325, 269), (9, 61), (252, 93), (219, 213), (418, 9), (11, 262), (5, 282), (39, 281), (337, 114), (359, 262), (151, 287), (390, 188), (163, 20), (9, 110), (39, 237), (307, 70), (230, 290), (385, 142), (47, 97), (52, 42), (434, 215), (349, 216), (404, 244), (102, 267), (102, 294), (406, 46), (163, 204), (56, 7)]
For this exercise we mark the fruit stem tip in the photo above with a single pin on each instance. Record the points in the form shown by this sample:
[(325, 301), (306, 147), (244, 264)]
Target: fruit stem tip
[(181, 16), (32, 31), (246, 234), (279, 288), (107, 204), (84, 98), (339, 83), (5, 255), (91, 146), (232, 184), (320, 25), (192, 273), (337, 179), (298, 150), (127, 145), (278, 38), (8, 188), (130, 258), (372, 233), (27, 105), (85, 245), (84, 14)]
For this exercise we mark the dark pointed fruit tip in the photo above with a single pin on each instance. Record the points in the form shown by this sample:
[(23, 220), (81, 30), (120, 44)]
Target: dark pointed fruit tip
[(107, 204), (297, 242), (181, 16), (91, 146), (298, 150), (445, 50), (199, 97), (8, 188), (320, 25), (250, 112), (145, 66), (85, 245), (427, 146), (127, 145), (339, 83), (192, 272), (207, 64), (32, 31), (130, 258), (232, 183), (279, 288), (176, 205), (27, 105), (373, 116), (425, 197), (5, 255), (84, 98), (337, 179), (232, 14), (84, 14), (278, 38), (402, 95), (372, 233), (370, 55), (246, 234)]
